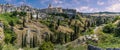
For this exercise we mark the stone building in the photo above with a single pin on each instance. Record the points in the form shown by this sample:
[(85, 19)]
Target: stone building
[(52, 9), (6, 8), (70, 12)]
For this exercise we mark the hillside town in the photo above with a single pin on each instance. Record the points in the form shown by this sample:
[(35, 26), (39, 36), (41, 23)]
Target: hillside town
[(41, 13)]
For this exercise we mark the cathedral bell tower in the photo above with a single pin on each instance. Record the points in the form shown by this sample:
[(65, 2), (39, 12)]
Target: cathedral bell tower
[(49, 6)]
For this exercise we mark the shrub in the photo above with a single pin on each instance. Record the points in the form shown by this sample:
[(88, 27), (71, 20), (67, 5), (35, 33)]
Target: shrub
[(109, 28), (10, 36), (46, 46), (117, 32)]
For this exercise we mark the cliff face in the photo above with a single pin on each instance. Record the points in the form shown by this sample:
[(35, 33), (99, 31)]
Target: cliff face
[(33, 31), (1, 34)]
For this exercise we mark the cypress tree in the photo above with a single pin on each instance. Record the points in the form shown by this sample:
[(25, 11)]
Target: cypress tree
[(76, 32), (24, 44), (22, 40), (31, 43), (51, 38), (23, 21), (37, 16), (47, 38), (61, 38), (58, 23), (34, 42), (66, 37), (31, 17), (71, 36)]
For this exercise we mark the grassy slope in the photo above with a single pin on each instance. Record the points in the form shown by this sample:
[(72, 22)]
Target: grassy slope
[(5, 18)]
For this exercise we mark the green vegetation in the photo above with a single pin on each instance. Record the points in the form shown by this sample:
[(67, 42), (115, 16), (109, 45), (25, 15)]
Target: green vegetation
[(5, 18), (10, 36), (46, 46), (62, 30), (109, 28)]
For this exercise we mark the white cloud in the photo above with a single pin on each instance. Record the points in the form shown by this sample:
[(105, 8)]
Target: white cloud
[(114, 7), (43, 1), (100, 3), (57, 1), (86, 9), (9, 0), (113, 1)]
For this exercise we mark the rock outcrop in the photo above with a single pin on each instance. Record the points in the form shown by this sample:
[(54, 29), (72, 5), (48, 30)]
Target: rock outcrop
[(1, 33)]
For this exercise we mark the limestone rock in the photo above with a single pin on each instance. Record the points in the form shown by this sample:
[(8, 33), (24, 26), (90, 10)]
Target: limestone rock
[(1, 33)]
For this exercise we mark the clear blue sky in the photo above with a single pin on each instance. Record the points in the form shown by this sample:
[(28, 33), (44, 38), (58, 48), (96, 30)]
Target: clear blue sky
[(79, 5)]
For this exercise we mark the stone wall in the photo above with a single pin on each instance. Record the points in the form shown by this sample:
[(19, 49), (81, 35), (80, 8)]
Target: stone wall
[(91, 47)]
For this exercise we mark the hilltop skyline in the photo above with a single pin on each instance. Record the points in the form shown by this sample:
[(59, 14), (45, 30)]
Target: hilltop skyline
[(79, 5)]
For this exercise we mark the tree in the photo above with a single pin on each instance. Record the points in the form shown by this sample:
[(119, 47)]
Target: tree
[(71, 36), (70, 21), (118, 25), (31, 17), (11, 23), (23, 14), (116, 18), (37, 15), (53, 38), (10, 36), (109, 28), (24, 40), (117, 32), (76, 32), (1, 46), (34, 42), (60, 38), (22, 43), (47, 38), (14, 13), (66, 37), (23, 22), (31, 43), (46, 46), (13, 38), (58, 23)]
